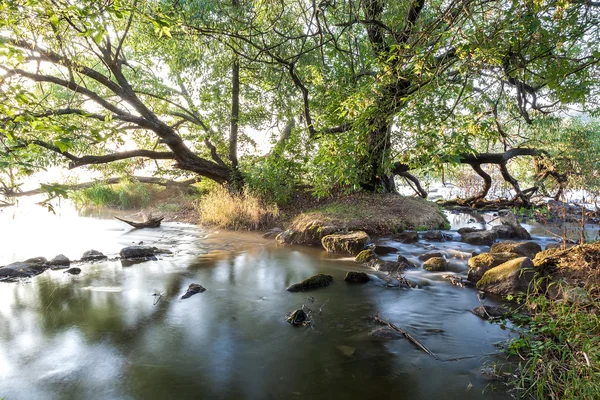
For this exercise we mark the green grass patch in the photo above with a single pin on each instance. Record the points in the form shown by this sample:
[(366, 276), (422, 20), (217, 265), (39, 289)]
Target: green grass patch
[(124, 195)]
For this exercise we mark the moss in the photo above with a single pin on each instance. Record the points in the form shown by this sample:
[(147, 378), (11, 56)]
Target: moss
[(503, 271), (435, 264), (346, 243), (365, 256), (314, 282)]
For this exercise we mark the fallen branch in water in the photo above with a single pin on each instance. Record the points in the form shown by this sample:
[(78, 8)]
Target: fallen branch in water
[(406, 335)]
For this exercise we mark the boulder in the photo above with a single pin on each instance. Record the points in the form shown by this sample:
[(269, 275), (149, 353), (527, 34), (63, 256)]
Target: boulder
[(525, 249), (193, 289), (22, 270), (485, 238), (93, 255), (403, 260), (435, 236), (383, 250), (509, 219), (386, 333), (60, 261), (365, 256), (73, 271), (436, 264), (469, 229), (406, 237), (504, 231), (310, 233), (314, 282), (137, 251), (36, 261), (482, 263), (357, 277), (427, 256), (508, 278), (346, 243), (489, 312)]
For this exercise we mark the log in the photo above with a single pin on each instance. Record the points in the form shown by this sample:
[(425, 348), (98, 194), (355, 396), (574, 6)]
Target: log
[(150, 223)]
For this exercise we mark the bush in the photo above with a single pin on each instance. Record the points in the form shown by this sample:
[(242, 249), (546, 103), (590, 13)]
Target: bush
[(240, 211), (124, 195)]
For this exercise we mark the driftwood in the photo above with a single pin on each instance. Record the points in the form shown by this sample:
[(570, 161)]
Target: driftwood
[(149, 223), (406, 335)]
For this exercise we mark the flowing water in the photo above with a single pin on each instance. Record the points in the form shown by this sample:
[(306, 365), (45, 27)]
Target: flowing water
[(103, 335)]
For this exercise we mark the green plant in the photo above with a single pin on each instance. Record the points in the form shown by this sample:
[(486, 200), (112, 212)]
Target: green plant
[(124, 195)]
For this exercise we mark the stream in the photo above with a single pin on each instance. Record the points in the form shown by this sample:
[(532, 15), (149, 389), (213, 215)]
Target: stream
[(103, 335)]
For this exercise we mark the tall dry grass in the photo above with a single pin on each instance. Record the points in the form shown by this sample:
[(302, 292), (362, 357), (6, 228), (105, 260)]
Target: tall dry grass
[(238, 211)]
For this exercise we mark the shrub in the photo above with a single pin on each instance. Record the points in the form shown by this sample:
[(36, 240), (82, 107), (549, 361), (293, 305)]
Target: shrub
[(124, 195), (238, 211)]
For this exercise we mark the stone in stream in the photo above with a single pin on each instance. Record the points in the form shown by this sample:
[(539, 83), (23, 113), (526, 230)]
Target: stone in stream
[(469, 229), (357, 277), (489, 312), (137, 251), (297, 317), (93, 255), (387, 266), (193, 289), (482, 263), (509, 219), (406, 237), (427, 256), (436, 236), (365, 256), (36, 260), (486, 238), (383, 250), (60, 261), (314, 282), (508, 278), (346, 243), (73, 271), (22, 270), (504, 231), (435, 264), (525, 249)]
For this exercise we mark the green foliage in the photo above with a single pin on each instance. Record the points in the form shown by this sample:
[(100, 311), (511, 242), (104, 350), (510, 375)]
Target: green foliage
[(124, 195)]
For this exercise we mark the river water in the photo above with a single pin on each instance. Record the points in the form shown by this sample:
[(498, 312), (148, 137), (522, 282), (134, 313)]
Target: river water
[(103, 335)]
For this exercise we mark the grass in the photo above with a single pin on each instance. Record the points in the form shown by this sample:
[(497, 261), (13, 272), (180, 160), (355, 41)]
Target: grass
[(242, 211), (124, 195), (558, 348)]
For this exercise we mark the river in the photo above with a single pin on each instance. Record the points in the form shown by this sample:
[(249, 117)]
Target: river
[(103, 335)]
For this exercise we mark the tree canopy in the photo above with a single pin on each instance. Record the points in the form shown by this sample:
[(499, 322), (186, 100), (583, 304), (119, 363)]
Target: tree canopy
[(353, 92)]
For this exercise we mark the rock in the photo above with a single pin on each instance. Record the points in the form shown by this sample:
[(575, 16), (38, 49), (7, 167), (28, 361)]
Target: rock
[(346, 350), (436, 264), (36, 261), (406, 237), (314, 282), (137, 251), (482, 263), (387, 266), (509, 219), (504, 231), (193, 289), (469, 229), (310, 233), (93, 255), (272, 233), (486, 238), (455, 280), (386, 333), (383, 250), (525, 249), (60, 261), (365, 256), (346, 243), (435, 236), (508, 278), (297, 317), (427, 256), (489, 312), (73, 271), (357, 277), (404, 261), (22, 270)]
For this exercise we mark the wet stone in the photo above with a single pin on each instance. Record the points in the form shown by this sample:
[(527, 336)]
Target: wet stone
[(193, 289), (357, 277), (314, 282), (60, 261), (73, 271), (93, 255)]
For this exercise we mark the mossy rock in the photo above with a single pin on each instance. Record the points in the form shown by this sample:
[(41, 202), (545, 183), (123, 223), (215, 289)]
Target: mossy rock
[(510, 277), (387, 266), (357, 277), (314, 282), (427, 256), (525, 249), (482, 263), (346, 243), (435, 264), (365, 256)]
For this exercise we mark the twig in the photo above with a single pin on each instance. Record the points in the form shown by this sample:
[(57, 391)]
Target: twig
[(406, 335)]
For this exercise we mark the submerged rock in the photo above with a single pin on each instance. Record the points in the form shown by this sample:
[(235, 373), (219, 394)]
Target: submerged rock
[(93, 255), (485, 238), (365, 256), (73, 271), (137, 251), (508, 278), (297, 317), (314, 282), (22, 270), (60, 261), (406, 237), (193, 289), (525, 249), (489, 312), (346, 243), (357, 277), (435, 264), (482, 263)]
